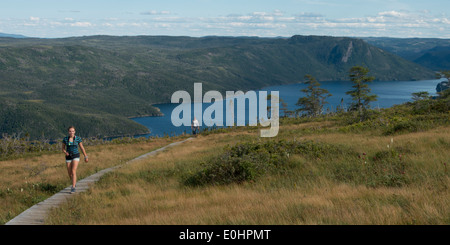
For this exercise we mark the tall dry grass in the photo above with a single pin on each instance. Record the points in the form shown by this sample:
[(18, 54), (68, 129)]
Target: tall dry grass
[(308, 192)]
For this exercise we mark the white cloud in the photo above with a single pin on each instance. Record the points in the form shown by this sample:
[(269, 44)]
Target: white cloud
[(277, 12), (393, 14), (56, 23), (244, 18), (154, 12), (259, 13), (162, 25), (268, 18), (445, 21), (309, 15), (34, 18), (81, 24)]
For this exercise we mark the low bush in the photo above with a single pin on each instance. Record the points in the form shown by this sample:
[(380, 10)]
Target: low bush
[(247, 161), (386, 168), (383, 168)]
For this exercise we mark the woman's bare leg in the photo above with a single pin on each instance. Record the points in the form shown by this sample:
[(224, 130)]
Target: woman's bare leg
[(74, 166), (69, 169)]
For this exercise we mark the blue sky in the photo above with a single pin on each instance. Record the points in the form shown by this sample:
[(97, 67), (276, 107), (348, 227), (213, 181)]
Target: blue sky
[(264, 18)]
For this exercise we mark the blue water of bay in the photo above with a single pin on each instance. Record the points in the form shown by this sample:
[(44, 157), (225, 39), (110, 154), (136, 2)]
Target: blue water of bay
[(389, 93)]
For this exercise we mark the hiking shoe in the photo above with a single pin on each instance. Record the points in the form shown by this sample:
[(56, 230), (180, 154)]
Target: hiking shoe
[(72, 190)]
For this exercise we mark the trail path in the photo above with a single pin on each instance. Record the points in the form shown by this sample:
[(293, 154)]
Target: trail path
[(36, 214)]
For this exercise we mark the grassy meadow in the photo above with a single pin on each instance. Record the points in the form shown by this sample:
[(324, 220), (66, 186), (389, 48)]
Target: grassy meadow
[(35, 177), (390, 169)]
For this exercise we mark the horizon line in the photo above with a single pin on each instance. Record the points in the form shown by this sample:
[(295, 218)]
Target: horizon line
[(20, 36)]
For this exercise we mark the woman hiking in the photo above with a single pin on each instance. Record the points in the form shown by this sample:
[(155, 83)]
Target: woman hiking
[(70, 145)]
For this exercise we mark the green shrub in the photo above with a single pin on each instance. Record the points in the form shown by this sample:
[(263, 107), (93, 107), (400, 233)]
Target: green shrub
[(386, 168), (403, 126), (248, 161)]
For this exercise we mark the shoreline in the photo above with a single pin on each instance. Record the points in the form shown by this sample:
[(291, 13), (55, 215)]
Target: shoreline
[(150, 115)]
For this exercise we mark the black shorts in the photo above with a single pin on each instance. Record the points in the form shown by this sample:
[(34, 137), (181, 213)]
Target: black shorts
[(72, 156)]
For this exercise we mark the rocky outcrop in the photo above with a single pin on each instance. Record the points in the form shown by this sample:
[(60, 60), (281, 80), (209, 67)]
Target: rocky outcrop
[(442, 86)]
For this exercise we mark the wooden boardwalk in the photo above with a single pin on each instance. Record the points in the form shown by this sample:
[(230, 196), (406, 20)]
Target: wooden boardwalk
[(36, 214)]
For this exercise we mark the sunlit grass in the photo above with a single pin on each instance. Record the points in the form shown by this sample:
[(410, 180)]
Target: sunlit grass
[(27, 181), (326, 190)]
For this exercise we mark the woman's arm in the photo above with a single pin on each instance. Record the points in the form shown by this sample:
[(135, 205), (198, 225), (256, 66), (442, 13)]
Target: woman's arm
[(64, 149), (84, 152)]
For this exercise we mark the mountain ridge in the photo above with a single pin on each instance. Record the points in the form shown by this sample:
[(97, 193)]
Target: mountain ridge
[(432, 53), (12, 35)]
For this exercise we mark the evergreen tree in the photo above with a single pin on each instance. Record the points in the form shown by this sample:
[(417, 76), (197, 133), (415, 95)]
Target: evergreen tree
[(361, 93), (283, 107), (314, 101)]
